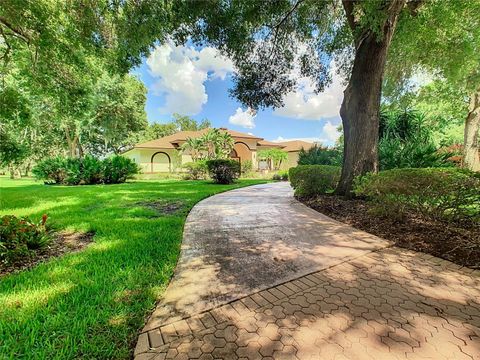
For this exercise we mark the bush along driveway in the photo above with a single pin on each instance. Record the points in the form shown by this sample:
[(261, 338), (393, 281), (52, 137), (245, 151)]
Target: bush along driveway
[(91, 304)]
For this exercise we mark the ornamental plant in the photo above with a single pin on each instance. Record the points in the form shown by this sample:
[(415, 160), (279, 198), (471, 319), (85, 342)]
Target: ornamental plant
[(19, 237)]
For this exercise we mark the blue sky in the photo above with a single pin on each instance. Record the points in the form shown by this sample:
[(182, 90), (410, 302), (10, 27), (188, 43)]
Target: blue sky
[(195, 82)]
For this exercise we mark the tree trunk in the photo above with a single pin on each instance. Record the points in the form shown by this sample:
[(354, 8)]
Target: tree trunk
[(471, 156), (361, 102), (12, 171)]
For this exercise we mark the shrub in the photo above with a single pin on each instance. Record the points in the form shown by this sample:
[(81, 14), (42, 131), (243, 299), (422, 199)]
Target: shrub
[(406, 140), (281, 176), (117, 169), (223, 171), (19, 236), (246, 167), (51, 170), (311, 180), (318, 155), (92, 170), (89, 170), (74, 171), (196, 170), (446, 194)]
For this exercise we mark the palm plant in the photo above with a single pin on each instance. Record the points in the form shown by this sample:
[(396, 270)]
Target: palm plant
[(195, 146), (225, 144)]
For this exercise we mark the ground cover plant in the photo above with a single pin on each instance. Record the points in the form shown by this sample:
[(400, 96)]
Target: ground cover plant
[(20, 237), (91, 304)]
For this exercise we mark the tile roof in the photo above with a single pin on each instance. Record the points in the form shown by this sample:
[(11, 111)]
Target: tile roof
[(167, 142), (295, 145), (269, 143)]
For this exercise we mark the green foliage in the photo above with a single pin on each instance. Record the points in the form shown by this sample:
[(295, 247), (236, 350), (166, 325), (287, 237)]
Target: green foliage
[(247, 167), (406, 141), (99, 297), (311, 180), (223, 171), (52, 170), (274, 156), (445, 194), (19, 236), (196, 170), (214, 144), (156, 131), (92, 170), (117, 169), (280, 176), (319, 155), (88, 170), (186, 123)]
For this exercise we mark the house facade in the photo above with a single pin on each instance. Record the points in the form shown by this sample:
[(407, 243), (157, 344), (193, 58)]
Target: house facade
[(164, 155)]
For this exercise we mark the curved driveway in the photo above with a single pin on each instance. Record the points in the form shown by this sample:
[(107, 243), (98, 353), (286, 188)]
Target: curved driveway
[(249, 239), (261, 276)]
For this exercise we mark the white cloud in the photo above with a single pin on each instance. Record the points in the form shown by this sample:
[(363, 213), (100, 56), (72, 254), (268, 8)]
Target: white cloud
[(243, 118), (307, 139), (328, 136), (305, 104), (330, 132), (182, 72)]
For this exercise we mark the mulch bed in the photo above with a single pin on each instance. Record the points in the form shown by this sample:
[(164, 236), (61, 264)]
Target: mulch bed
[(460, 245), (62, 243)]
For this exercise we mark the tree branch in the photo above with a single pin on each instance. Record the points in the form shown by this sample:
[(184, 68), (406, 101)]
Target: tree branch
[(414, 5), (18, 32), (348, 6), (282, 21)]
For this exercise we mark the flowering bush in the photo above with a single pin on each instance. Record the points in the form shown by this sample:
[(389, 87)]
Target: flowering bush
[(20, 236)]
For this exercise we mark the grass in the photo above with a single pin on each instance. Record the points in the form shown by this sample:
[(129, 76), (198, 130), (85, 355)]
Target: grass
[(91, 304)]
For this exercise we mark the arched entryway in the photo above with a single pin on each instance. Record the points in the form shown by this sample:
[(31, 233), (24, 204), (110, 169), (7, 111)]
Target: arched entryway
[(242, 151), (160, 162)]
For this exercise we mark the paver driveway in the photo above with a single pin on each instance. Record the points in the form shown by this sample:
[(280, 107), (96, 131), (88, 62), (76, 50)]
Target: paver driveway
[(263, 276)]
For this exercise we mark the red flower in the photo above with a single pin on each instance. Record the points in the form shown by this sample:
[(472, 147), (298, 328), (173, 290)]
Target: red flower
[(44, 219)]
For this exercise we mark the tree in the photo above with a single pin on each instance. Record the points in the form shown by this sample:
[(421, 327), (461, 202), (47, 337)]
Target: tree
[(218, 144), (56, 55), (118, 112), (443, 41), (156, 131), (194, 146), (214, 144), (274, 157), (275, 44), (186, 123)]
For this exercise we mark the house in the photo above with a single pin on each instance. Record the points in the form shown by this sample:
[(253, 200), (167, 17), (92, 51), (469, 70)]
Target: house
[(163, 155)]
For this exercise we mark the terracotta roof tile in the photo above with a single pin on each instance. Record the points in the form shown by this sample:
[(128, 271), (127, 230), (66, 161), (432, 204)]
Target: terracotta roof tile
[(167, 142), (296, 145)]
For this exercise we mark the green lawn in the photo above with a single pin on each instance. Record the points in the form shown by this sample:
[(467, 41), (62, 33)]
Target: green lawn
[(91, 304)]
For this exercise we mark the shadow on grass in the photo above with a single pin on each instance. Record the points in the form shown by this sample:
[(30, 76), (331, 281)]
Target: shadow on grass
[(91, 304)]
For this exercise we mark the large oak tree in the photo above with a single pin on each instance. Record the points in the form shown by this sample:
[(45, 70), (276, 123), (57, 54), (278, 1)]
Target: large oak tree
[(275, 43)]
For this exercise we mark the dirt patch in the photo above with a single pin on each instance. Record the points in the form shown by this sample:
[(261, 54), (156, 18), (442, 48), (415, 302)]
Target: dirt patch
[(62, 243), (460, 245), (162, 207)]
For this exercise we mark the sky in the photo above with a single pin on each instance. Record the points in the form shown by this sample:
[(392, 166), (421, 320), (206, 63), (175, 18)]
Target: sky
[(195, 82)]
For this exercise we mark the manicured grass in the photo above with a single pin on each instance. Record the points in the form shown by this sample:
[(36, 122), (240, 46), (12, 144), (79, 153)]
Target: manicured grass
[(91, 304)]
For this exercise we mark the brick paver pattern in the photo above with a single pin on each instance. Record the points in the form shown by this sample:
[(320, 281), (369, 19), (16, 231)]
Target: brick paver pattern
[(389, 304)]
